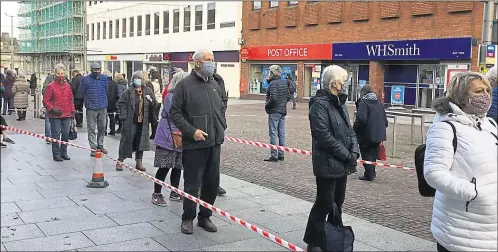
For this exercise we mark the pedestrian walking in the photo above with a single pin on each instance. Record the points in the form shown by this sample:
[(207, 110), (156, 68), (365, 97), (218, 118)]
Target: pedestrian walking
[(157, 88), (78, 97), (168, 154), (292, 89), (94, 91), (59, 102), (20, 92), (464, 214), (33, 83), (112, 99), (370, 128), (197, 112), (492, 76), (335, 151), (224, 99), (277, 96), (8, 96), (134, 109), (122, 85)]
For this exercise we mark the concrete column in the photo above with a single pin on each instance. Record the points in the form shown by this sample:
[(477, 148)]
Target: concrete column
[(376, 77)]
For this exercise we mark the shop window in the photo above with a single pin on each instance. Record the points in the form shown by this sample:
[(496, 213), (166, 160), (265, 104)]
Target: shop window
[(256, 5), (104, 30), (112, 66), (259, 75), (293, 2), (227, 24), (273, 4), (198, 17), (156, 23), (117, 28), (123, 33), (211, 20), (98, 31), (147, 25), (93, 31), (311, 80), (176, 20), (139, 25), (138, 66), (132, 26), (186, 19), (165, 22), (110, 29)]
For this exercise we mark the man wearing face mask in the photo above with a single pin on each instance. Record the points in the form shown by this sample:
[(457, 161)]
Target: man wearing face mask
[(197, 111), (94, 91), (335, 151)]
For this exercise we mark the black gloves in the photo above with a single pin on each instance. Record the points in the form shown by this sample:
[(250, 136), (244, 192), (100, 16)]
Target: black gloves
[(351, 161), (56, 112)]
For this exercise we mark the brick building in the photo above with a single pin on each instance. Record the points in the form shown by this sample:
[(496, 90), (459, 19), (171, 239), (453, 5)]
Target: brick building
[(409, 47)]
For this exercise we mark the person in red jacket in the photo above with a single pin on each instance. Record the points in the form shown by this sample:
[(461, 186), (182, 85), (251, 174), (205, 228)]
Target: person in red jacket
[(59, 103)]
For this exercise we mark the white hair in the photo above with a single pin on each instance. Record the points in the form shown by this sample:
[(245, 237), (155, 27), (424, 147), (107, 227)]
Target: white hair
[(332, 74), (199, 54), (177, 77), (107, 73), (275, 70), (492, 76)]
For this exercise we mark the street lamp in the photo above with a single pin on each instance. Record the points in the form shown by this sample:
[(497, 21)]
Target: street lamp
[(11, 40)]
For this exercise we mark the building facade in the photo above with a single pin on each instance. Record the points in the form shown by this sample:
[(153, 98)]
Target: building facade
[(130, 36), (406, 51)]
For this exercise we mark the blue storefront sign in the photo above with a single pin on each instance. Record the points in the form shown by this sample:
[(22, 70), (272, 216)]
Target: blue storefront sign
[(397, 95), (427, 49)]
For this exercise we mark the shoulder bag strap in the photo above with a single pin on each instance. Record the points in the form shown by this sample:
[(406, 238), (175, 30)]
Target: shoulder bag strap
[(455, 141)]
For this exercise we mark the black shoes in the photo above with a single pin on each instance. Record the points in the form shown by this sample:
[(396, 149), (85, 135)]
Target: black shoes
[(65, 157), (207, 224), (221, 191), (187, 226), (58, 159), (271, 159), (313, 249)]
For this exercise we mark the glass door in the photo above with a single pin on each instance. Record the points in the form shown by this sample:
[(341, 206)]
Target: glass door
[(353, 90), (426, 85)]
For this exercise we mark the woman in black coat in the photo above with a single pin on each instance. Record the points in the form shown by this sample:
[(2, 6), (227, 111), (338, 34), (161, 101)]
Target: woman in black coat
[(33, 83)]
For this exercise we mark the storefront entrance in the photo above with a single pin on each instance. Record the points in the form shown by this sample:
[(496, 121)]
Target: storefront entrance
[(430, 84), (353, 90)]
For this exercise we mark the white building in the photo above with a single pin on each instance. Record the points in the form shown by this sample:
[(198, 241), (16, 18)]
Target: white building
[(129, 36)]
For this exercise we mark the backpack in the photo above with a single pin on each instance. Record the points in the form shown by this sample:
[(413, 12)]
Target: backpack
[(425, 189)]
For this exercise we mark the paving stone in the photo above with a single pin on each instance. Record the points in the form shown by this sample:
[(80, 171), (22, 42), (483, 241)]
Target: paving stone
[(10, 219), (72, 191), (255, 244), (62, 185), (255, 215), (71, 176), (60, 172), (9, 208), (7, 188), (145, 244), (11, 173), (234, 204), (183, 242), (289, 209), (58, 213), (76, 224), (122, 233), (232, 194), (360, 246), (256, 190), (114, 187), (135, 194), (20, 232), (172, 226), (23, 195), (114, 207), (296, 237), (271, 199), (62, 242), (142, 215), (94, 199), (32, 179), (31, 205), (283, 224), (2, 248), (232, 233)]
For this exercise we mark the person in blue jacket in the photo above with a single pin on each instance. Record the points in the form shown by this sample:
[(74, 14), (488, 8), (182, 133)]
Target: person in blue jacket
[(492, 77)]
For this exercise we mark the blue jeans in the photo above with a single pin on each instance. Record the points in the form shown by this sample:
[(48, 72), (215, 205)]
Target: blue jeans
[(276, 124), (60, 131), (48, 131)]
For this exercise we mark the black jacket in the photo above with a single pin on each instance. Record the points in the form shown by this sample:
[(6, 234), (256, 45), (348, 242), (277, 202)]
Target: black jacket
[(75, 86), (277, 96), (224, 96), (196, 105), (112, 95), (371, 121), (333, 139), (33, 81)]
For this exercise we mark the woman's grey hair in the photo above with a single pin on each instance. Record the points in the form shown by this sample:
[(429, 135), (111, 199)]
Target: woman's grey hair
[(492, 76), (138, 75), (107, 73), (332, 74), (365, 90), (176, 78), (61, 66), (275, 70), (199, 54)]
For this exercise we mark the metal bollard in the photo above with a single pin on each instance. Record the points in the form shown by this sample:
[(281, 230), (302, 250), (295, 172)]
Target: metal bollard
[(412, 128), (422, 128), (37, 105)]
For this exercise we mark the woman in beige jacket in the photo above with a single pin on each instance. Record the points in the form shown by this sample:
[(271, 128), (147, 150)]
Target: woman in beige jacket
[(20, 90)]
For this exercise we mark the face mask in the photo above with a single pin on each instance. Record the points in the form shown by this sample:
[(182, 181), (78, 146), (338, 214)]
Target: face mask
[(207, 68), (60, 78), (137, 82), (478, 105), (94, 74)]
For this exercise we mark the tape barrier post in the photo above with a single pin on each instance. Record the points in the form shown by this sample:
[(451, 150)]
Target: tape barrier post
[(98, 180)]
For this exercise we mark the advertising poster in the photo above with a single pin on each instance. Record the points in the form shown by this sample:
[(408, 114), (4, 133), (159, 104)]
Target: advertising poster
[(361, 83), (265, 72), (315, 85), (397, 95)]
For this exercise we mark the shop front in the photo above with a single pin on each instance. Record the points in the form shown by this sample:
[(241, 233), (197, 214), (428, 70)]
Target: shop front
[(301, 63), (161, 62), (122, 63), (408, 72)]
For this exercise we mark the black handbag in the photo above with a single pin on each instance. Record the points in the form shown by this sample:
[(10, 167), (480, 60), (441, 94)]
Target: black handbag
[(336, 236), (73, 133)]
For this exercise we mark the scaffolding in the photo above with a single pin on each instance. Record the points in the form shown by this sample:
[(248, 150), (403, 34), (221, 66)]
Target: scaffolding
[(51, 32)]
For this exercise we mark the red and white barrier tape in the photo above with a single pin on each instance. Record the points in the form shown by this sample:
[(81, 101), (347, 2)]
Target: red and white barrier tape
[(307, 153), (223, 213)]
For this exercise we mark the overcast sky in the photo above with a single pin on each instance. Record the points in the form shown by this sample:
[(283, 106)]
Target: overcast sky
[(11, 8)]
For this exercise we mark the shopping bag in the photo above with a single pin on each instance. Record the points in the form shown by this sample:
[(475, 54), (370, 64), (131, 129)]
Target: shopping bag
[(337, 237), (381, 155), (73, 133)]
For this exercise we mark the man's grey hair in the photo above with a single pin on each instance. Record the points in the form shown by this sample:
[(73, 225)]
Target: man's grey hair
[(332, 74), (11, 72), (176, 78), (60, 69), (275, 70), (458, 90), (61, 66), (492, 76), (138, 75), (107, 73), (366, 90), (199, 54)]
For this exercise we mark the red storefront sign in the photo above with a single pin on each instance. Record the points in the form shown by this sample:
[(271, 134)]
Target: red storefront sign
[(287, 52)]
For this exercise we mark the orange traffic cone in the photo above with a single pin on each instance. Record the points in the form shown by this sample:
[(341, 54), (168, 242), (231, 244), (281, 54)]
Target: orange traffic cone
[(98, 180)]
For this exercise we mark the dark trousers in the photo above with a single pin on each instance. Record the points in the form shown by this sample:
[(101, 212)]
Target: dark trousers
[(329, 190), (8, 104), (154, 123), (112, 121), (60, 131), (201, 165), (78, 105), (440, 248), (369, 152), (174, 178), (21, 113)]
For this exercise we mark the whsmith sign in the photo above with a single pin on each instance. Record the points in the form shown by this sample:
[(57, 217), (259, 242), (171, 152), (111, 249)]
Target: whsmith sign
[(428, 49)]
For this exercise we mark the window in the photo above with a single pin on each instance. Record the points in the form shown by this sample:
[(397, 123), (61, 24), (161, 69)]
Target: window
[(198, 17), (273, 4), (293, 2), (123, 28), (86, 33), (176, 20), (90, 3), (93, 31), (101, 1), (186, 19), (156, 23), (132, 26), (117, 28), (147, 24), (256, 5), (110, 29), (211, 22), (95, 2), (227, 24), (259, 75), (139, 25), (165, 22), (104, 30), (98, 31)]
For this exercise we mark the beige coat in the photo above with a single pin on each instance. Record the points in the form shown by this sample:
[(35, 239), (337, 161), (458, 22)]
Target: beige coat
[(20, 90)]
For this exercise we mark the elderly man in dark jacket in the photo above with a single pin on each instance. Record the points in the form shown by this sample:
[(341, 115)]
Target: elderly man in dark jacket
[(335, 151), (78, 97), (277, 96), (197, 111), (8, 96)]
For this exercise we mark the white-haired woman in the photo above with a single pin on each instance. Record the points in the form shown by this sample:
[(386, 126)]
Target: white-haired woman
[(464, 215), (168, 154), (134, 109), (20, 91), (335, 151)]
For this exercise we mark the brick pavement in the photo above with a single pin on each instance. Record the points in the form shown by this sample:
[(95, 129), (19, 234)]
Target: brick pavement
[(45, 206)]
